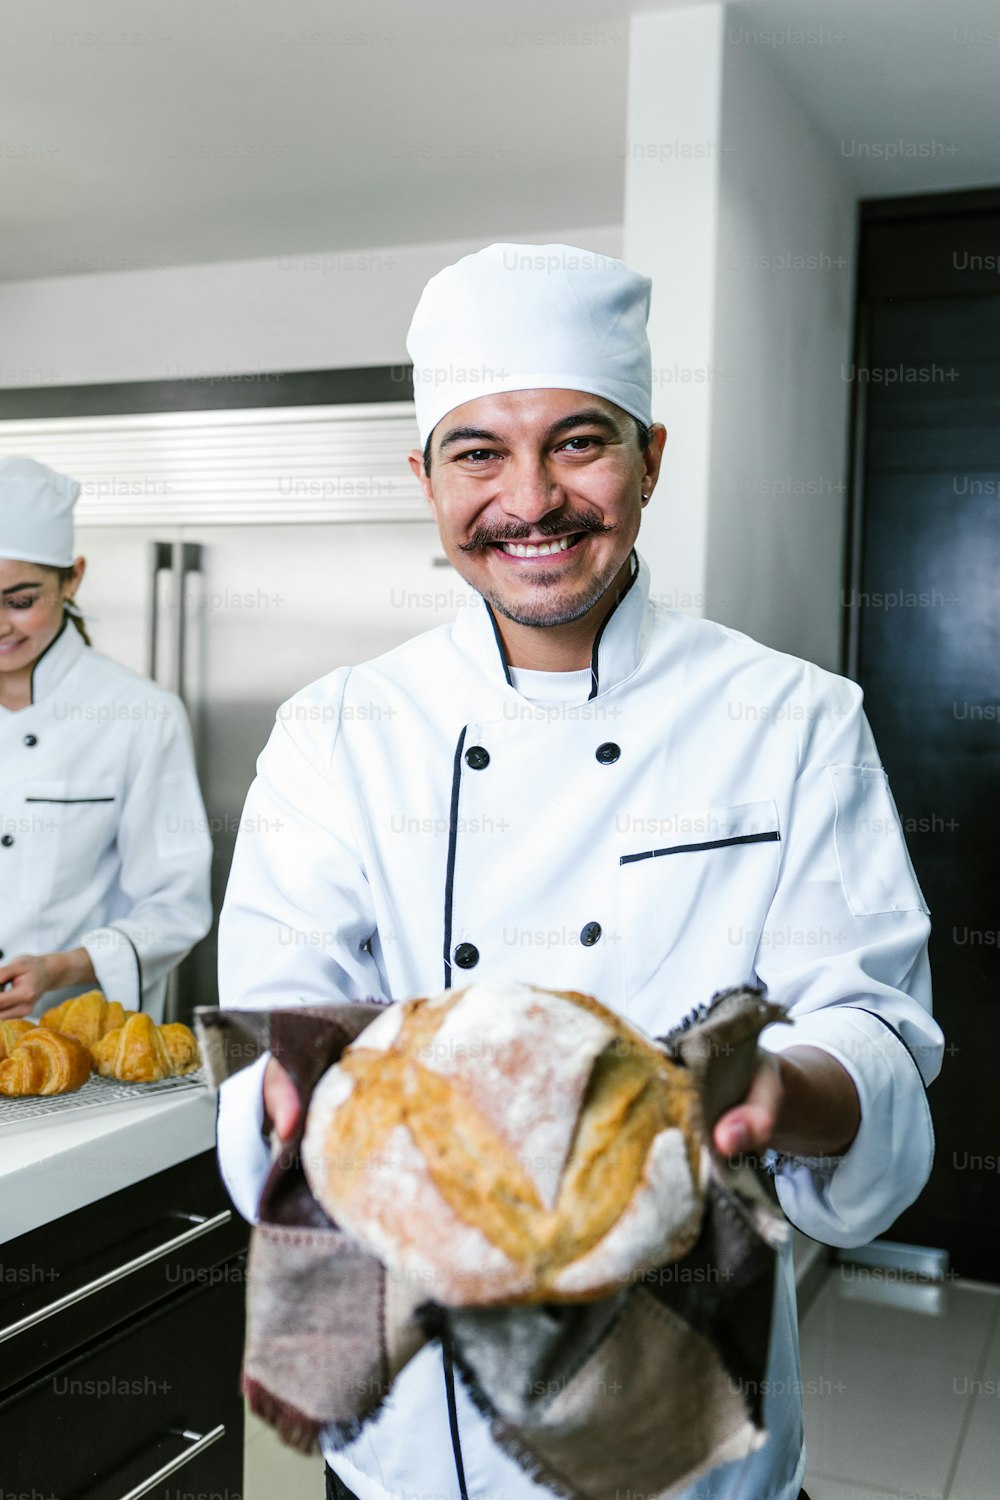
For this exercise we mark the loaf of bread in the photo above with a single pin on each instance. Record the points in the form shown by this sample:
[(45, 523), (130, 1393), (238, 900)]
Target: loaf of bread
[(87, 1017), (12, 1032), (509, 1144), (142, 1052), (45, 1062)]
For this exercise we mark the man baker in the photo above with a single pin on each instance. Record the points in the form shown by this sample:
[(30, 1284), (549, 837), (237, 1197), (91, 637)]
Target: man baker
[(574, 748)]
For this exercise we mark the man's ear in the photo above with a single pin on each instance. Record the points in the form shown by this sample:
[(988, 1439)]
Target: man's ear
[(654, 455), (415, 459)]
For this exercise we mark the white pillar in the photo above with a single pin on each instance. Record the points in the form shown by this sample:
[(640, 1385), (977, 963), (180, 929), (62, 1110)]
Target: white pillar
[(738, 207), (671, 229)]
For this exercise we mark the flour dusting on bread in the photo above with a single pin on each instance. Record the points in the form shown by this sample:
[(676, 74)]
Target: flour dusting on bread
[(507, 1144), (527, 1057), (663, 1211)]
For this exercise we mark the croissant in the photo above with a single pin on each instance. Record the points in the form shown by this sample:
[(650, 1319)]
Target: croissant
[(12, 1032), (46, 1062), (181, 1043), (142, 1052), (87, 1017)]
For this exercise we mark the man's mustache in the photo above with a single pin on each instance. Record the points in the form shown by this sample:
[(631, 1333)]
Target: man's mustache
[(515, 531)]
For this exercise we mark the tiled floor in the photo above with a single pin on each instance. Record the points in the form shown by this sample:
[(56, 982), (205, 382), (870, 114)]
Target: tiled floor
[(901, 1391), (274, 1472)]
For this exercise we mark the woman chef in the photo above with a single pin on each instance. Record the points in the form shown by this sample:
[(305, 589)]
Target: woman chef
[(104, 845), (578, 787)]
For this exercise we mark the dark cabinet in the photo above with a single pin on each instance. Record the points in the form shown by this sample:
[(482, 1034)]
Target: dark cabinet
[(121, 1335)]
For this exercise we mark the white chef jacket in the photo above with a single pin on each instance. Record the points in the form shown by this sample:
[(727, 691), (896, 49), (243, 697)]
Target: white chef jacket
[(716, 809), (104, 842)]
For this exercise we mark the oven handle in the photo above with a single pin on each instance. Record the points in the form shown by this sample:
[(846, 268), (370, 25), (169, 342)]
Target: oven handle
[(198, 1443), (200, 1226)]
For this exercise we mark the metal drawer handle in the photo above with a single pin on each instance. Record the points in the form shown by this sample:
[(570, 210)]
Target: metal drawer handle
[(200, 1226), (199, 1442)]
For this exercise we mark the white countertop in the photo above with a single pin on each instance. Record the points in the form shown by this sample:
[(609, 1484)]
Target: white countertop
[(59, 1163)]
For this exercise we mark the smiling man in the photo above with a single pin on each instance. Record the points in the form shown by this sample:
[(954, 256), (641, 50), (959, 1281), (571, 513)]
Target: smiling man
[(534, 493), (578, 748)]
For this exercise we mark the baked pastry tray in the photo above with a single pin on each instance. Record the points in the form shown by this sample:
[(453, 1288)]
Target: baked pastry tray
[(96, 1091)]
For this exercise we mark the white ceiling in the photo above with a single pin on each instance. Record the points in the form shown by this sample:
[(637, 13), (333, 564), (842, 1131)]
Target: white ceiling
[(135, 133), (207, 130), (922, 76)]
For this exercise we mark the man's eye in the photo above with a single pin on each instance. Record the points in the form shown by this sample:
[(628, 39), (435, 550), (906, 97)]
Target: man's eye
[(479, 453), (592, 440)]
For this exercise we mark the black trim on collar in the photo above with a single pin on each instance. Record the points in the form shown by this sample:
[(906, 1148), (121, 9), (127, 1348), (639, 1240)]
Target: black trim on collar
[(772, 836), (595, 681), (499, 640), (34, 664), (449, 879), (135, 955)]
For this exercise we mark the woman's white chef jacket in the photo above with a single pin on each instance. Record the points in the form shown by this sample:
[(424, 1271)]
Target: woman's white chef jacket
[(104, 842), (708, 812)]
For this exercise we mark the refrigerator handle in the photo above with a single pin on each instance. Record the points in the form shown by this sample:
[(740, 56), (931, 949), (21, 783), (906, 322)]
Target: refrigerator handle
[(179, 559), (159, 562), (186, 559)]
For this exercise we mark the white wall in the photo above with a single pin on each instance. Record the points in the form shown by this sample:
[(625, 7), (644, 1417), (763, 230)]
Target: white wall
[(297, 312), (724, 175), (783, 328)]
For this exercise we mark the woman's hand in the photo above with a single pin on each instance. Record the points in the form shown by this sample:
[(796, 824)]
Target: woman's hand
[(281, 1101), (29, 977), (801, 1101), (32, 975)]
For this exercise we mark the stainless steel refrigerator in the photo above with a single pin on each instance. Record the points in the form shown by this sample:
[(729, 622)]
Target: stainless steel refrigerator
[(236, 557)]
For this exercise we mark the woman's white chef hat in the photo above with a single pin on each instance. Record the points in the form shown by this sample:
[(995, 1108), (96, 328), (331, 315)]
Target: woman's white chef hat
[(36, 513), (520, 317)]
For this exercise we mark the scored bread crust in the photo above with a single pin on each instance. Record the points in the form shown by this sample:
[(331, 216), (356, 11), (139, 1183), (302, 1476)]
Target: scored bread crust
[(427, 1160)]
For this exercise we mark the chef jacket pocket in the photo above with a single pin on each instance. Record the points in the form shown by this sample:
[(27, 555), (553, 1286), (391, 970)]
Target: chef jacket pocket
[(875, 868), (694, 833), (69, 828), (685, 889)]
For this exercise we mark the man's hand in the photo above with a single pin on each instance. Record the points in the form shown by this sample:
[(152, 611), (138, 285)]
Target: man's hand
[(281, 1101), (32, 975), (801, 1101)]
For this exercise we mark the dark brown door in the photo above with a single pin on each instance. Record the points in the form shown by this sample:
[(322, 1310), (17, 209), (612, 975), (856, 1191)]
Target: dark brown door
[(924, 618)]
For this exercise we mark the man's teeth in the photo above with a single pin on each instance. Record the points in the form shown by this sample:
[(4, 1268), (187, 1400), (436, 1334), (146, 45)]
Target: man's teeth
[(538, 549)]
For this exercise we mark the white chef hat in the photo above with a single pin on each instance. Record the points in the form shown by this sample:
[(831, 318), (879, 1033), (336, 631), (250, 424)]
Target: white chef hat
[(525, 317), (36, 513)]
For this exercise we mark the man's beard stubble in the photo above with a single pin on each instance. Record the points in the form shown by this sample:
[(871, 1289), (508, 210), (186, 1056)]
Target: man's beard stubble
[(542, 613), (556, 612)]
